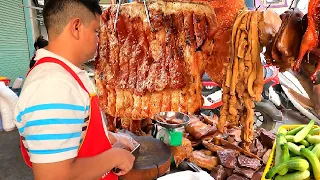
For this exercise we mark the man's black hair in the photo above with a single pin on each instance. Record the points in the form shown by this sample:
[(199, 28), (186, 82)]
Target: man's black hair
[(57, 13), (40, 43)]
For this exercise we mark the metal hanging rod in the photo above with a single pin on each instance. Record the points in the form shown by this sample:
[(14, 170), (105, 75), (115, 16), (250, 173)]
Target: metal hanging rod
[(31, 7)]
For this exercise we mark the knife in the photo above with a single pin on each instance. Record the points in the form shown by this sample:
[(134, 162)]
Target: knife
[(134, 152)]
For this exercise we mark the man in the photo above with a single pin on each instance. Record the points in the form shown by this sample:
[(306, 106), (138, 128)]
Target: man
[(40, 43), (63, 134)]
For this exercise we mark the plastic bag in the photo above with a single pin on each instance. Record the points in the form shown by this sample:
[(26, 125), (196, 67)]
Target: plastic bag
[(124, 141), (8, 100)]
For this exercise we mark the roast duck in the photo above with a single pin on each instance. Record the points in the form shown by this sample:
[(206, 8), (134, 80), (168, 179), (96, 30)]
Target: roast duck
[(297, 42), (285, 45), (143, 69), (310, 41)]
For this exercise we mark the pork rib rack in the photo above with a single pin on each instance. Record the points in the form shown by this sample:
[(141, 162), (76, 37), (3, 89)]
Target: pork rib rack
[(142, 71)]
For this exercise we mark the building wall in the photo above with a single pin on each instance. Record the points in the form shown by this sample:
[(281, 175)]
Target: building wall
[(17, 33)]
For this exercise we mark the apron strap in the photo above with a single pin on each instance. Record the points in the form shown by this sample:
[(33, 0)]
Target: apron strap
[(76, 77), (66, 67)]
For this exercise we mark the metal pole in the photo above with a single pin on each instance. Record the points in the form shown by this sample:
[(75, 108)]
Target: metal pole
[(31, 7)]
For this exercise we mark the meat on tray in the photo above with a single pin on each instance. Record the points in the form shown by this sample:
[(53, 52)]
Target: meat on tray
[(248, 162), (203, 160), (180, 153), (219, 173), (199, 129), (228, 158), (236, 177), (244, 172)]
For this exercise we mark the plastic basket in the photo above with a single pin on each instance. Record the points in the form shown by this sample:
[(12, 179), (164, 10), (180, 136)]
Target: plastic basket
[(271, 157)]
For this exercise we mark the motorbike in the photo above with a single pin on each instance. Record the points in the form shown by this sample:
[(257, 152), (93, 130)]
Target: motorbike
[(293, 96), (267, 112)]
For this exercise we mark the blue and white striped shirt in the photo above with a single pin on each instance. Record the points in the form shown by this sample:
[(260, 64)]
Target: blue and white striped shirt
[(52, 111)]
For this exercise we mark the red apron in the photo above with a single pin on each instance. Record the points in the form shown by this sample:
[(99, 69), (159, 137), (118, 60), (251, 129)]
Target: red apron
[(95, 140)]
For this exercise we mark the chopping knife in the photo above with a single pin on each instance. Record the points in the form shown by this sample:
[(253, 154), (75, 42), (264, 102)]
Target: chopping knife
[(134, 152)]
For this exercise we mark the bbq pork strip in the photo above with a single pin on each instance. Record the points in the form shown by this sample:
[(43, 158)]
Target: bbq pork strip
[(190, 59), (133, 63), (128, 103), (158, 51), (175, 46), (113, 57), (119, 103), (125, 37), (179, 96), (102, 63), (141, 60)]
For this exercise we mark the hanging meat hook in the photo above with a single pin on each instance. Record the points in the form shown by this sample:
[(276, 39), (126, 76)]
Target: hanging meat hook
[(268, 7), (118, 12), (117, 15), (147, 14)]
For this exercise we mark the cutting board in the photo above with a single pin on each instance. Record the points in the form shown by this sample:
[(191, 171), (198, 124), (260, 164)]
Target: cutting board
[(153, 160)]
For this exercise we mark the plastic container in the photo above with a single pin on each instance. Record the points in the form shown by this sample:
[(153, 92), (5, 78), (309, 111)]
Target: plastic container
[(17, 83), (272, 155)]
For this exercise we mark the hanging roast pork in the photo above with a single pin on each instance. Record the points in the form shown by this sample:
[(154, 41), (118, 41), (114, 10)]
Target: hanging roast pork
[(144, 68)]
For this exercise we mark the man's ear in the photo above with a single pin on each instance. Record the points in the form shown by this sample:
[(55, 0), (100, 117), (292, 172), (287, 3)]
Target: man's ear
[(75, 25)]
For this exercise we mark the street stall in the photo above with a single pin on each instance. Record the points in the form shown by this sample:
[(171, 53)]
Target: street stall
[(148, 71)]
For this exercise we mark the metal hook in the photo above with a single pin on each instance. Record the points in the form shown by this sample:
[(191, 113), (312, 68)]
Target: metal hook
[(258, 7), (117, 15), (147, 13), (291, 4), (268, 6)]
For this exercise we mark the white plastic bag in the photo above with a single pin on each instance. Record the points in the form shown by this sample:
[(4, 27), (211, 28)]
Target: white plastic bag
[(124, 141), (8, 101), (187, 175)]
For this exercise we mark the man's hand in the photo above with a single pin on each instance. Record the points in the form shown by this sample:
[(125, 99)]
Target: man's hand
[(86, 168), (124, 141), (126, 161)]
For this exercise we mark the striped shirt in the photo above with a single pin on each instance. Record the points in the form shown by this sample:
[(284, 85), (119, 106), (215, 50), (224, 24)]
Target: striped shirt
[(53, 110)]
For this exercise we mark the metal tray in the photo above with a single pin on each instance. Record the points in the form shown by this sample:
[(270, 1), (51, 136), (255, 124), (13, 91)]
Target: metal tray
[(169, 115)]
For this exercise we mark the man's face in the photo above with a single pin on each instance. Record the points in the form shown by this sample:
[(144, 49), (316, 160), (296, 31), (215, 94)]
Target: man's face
[(90, 38)]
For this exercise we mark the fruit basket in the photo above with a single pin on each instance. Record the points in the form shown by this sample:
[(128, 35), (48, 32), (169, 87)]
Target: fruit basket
[(271, 159)]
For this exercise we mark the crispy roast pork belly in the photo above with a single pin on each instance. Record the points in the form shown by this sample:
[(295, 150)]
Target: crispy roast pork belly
[(226, 12), (142, 70), (203, 159), (180, 153)]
